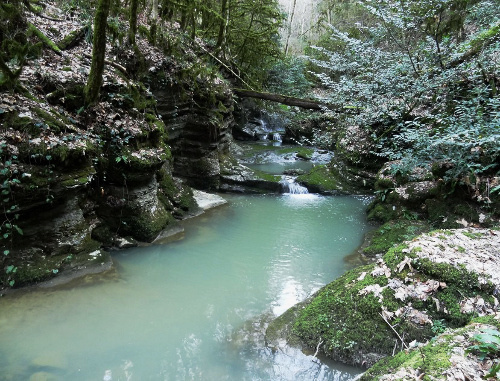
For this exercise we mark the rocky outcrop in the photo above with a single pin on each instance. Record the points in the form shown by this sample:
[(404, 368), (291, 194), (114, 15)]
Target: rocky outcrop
[(439, 280), (425, 194), (253, 122), (468, 353), (79, 180), (198, 117)]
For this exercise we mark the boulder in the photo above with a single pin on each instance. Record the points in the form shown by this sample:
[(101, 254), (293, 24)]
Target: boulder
[(444, 277)]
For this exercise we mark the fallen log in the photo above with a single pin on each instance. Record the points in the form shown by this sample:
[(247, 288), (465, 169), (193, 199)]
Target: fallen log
[(289, 101)]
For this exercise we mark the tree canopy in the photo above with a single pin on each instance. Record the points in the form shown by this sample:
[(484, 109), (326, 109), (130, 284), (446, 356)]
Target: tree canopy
[(423, 76)]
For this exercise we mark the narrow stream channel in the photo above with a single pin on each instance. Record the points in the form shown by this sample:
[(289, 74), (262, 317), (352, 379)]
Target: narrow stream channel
[(195, 308)]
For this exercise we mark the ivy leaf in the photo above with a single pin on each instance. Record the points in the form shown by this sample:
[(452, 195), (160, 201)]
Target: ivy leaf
[(11, 269)]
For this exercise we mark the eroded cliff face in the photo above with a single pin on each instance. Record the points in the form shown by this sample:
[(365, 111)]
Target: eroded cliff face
[(198, 116), (78, 181)]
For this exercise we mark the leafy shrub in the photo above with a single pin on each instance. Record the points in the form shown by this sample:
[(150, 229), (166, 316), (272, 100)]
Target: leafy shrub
[(423, 82)]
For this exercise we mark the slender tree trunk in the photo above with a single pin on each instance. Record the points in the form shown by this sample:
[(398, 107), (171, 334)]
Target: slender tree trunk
[(193, 23), (153, 20), (134, 5), (98, 53), (154, 10), (222, 25), (290, 26)]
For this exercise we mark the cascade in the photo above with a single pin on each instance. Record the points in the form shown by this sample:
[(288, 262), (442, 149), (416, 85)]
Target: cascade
[(289, 185), (277, 137)]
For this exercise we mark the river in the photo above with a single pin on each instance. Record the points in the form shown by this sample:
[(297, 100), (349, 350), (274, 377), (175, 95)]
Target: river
[(195, 308)]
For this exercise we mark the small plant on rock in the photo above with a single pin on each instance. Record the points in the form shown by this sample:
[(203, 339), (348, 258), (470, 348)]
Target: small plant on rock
[(488, 346)]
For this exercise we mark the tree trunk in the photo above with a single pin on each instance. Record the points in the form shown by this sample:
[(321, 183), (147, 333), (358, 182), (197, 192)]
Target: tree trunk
[(153, 20), (290, 26), (477, 45), (222, 25), (134, 5), (98, 53)]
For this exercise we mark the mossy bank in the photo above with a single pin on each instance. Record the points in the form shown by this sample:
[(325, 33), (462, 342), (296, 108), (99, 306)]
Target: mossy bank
[(409, 295)]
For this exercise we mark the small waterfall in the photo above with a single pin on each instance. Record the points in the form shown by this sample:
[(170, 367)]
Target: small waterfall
[(277, 137), (289, 185)]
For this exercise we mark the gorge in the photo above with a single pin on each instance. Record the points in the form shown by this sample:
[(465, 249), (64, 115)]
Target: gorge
[(362, 217)]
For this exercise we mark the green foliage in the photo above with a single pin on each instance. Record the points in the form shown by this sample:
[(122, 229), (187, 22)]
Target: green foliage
[(9, 179), (421, 82), (467, 139), (243, 34), (14, 47), (288, 77), (487, 344), (438, 326)]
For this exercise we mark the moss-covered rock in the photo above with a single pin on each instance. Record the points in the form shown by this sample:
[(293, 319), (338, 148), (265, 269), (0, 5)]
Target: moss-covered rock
[(134, 211), (373, 310), (393, 233), (448, 356), (424, 194), (321, 180)]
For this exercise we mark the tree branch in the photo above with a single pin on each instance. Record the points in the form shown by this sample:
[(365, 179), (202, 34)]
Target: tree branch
[(396, 332), (110, 63)]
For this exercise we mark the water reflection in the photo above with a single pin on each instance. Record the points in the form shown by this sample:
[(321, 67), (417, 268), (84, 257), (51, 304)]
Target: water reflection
[(194, 309), (283, 363)]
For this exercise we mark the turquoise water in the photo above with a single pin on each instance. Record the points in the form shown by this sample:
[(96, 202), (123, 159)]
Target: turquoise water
[(195, 308)]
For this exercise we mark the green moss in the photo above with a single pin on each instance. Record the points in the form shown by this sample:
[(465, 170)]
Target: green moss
[(431, 360), (144, 226), (305, 153), (176, 195), (383, 184), (55, 124), (267, 177), (23, 124), (447, 273), (381, 212), (393, 233), (450, 299), (473, 235), (489, 319), (103, 234), (319, 179), (395, 255), (36, 270), (348, 324), (444, 212)]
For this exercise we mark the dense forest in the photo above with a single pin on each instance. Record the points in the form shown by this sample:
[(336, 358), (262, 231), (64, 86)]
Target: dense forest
[(111, 111)]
